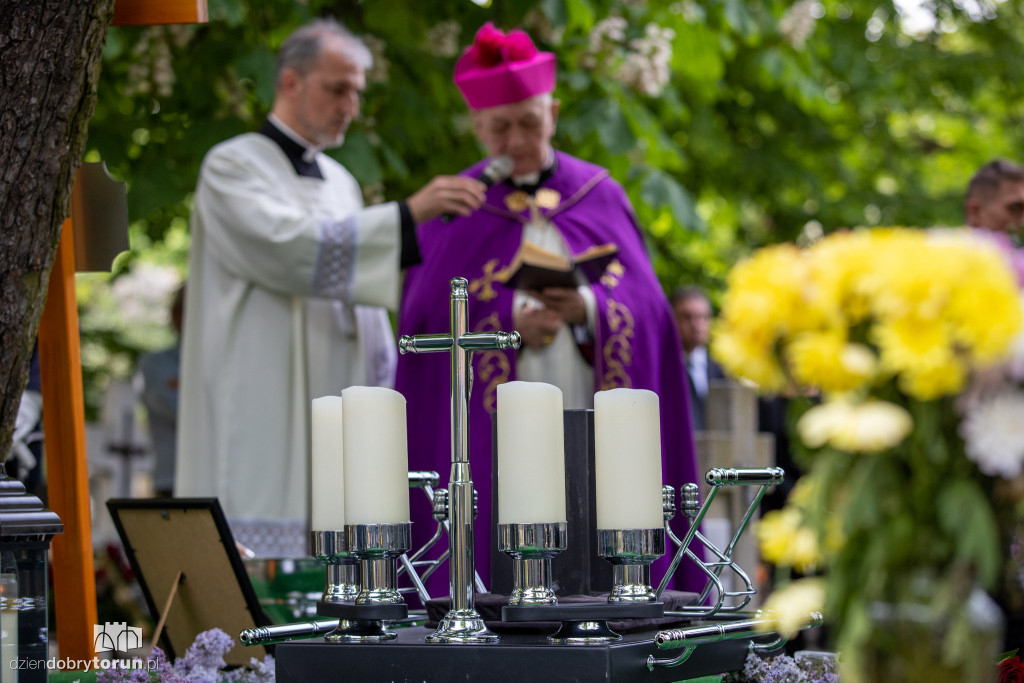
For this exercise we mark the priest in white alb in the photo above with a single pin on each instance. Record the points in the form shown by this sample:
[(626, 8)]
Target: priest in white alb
[(289, 279)]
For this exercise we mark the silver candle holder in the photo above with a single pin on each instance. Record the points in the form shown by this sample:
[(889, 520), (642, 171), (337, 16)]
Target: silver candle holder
[(378, 546), (342, 567), (531, 547), (631, 552)]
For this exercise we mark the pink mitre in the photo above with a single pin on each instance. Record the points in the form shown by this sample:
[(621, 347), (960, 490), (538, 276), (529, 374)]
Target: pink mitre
[(501, 68)]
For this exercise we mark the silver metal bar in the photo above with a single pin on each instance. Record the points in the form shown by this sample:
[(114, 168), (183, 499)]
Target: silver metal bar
[(267, 635), (421, 590), (691, 638), (718, 478), (678, 557), (423, 479), (489, 340), (730, 476), (425, 343), (674, 639), (460, 489)]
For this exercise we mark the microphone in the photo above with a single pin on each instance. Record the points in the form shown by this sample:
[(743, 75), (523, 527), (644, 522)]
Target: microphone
[(497, 170)]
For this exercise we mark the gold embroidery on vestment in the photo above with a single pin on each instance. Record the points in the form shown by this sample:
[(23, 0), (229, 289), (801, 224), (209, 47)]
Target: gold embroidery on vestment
[(517, 201), (613, 274), (481, 287), (492, 366), (618, 350), (547, 198)]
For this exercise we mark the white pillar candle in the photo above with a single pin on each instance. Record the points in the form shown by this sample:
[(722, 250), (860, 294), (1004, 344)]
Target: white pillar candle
[(627, 453), (531, 454), (376, 456), (328, 469)]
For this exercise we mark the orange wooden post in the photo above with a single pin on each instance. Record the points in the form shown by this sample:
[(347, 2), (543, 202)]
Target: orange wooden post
[(67, 477), (146, 12)]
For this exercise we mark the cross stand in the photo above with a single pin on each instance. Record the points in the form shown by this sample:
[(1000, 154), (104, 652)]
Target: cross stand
[(462, 623)]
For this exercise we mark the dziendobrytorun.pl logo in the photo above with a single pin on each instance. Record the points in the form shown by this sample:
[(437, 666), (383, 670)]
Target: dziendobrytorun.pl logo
[(110, 637)]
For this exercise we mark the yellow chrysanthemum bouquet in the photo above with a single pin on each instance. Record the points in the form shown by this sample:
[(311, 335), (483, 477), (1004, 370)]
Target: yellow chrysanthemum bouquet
[(883, 333)]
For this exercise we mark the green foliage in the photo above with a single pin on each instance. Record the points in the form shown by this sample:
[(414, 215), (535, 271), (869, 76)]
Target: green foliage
[(771, 119), (765, 123)]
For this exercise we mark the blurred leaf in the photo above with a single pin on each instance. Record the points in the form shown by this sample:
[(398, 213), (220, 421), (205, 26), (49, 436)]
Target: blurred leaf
[(359, 157), (660, 189), (256, 66)]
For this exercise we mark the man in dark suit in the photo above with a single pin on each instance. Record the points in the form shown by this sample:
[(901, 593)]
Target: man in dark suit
[(693, 316)]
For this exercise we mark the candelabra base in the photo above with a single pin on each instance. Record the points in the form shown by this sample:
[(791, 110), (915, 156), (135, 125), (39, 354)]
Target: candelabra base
[(360, 631), (360, 623), (584, 633), (462, 626), (583, 624)]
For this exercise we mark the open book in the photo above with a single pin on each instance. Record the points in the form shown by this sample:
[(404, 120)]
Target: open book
[(536, 268)]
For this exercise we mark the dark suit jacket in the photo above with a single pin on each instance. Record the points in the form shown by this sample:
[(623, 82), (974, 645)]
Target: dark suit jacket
[(696, 402)]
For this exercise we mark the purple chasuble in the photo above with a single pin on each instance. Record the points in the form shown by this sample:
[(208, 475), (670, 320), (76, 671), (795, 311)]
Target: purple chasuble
[(636, 339)]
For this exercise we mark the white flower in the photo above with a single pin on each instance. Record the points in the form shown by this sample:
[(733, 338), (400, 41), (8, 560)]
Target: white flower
[(868, 427), (607, 33), (818, 424), (541, 28), (993, 433), (143, 293), (794, 605), (378, 72), (442, 39), (797, 24)]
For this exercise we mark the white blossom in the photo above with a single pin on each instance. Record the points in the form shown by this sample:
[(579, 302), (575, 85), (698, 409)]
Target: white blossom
[(607, 34), (993, 434), (152, 69), (143, 294), (442, 39), (691, 11), (646, 66), (378, 72), (641, 63), (867, 427), (798, 22), (539, 25)]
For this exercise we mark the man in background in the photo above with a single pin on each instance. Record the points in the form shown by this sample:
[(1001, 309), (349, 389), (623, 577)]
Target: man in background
[(693, 313), (995, 198)]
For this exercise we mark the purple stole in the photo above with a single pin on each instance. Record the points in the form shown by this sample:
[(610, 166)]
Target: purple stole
[(636, 340)]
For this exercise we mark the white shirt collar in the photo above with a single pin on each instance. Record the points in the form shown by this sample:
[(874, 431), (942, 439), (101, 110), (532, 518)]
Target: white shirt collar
[(698, 357), (311, 150), (532, 178)]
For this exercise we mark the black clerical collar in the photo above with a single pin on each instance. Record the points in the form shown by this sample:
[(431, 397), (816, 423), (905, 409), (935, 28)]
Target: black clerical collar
[(545, 175), (292, 150)]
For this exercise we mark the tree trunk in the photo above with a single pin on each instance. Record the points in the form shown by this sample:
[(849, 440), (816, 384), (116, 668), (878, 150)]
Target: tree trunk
[(49, 65)]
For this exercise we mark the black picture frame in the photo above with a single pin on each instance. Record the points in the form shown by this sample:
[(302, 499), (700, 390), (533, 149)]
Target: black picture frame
[(162, 536)]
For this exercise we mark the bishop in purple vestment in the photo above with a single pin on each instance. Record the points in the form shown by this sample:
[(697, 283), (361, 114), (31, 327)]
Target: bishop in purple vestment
[(619, 330)]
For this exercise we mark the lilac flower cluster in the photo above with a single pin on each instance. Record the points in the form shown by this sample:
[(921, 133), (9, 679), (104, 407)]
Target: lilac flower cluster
[(203, 663), (784, 669)]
